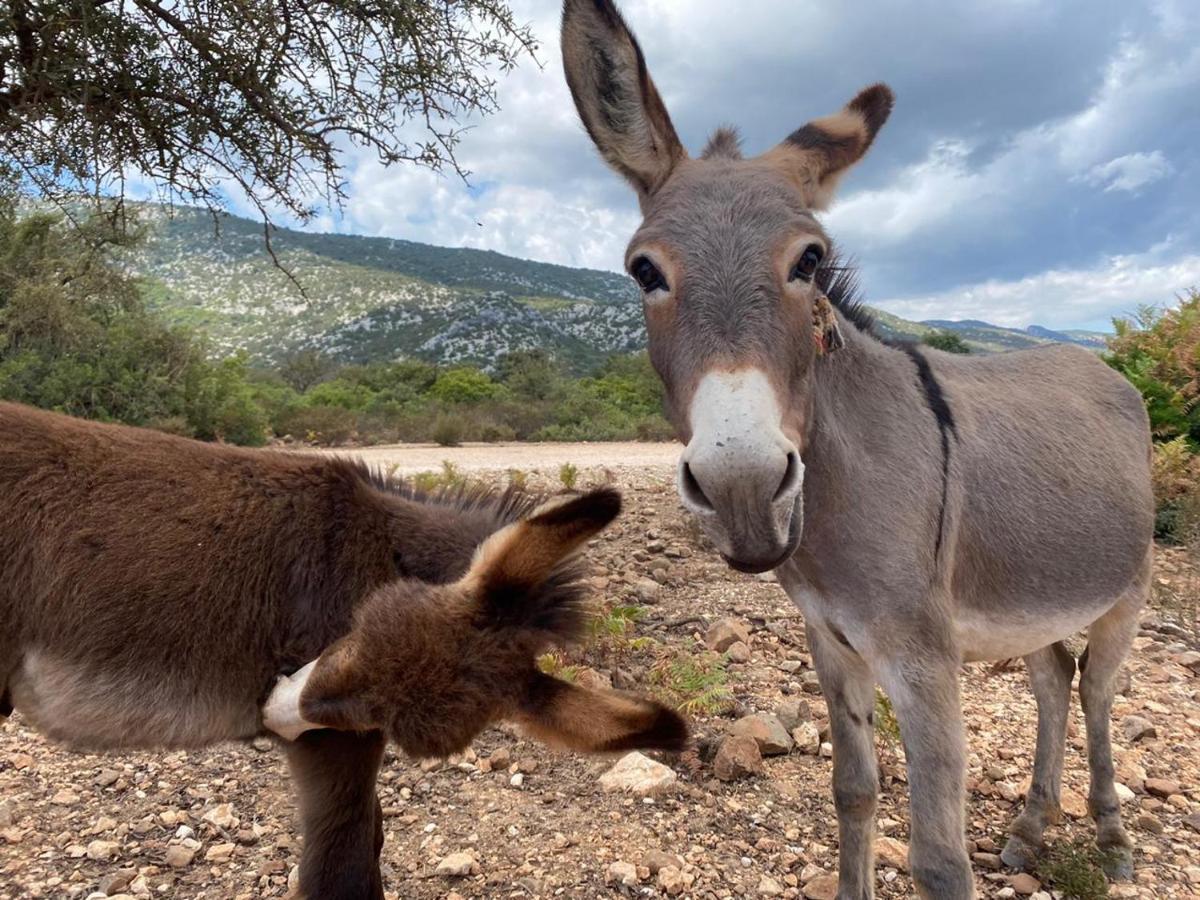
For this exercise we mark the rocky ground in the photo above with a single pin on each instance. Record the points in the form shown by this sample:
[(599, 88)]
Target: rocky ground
[(512, 819)]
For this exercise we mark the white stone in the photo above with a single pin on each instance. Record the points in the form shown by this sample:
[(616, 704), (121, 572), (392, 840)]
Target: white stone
[(638, 774)]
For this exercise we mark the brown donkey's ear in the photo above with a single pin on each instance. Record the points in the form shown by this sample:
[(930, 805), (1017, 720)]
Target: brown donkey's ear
[(618, 103), (819, 153), (574, 718), (516, 561)]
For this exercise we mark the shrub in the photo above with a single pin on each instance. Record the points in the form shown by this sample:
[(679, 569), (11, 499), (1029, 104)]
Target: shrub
[(947, 341), (1159, 352), (464, 385), (448, 430)]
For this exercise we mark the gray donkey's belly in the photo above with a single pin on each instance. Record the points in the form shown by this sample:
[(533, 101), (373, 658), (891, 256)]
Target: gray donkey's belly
[(106, 709)]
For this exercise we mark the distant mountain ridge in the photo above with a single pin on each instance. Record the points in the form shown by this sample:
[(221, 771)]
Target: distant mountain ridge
[(368, 298)]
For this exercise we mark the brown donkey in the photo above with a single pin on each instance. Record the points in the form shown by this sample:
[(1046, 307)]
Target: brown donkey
[(922, 509), (153, 591)]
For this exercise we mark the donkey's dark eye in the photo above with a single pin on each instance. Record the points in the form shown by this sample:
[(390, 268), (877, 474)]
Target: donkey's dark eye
[(647, 275), (806, 266)]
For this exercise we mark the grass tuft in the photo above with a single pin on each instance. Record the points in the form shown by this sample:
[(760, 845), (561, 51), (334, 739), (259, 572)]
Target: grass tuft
[(1076, 870)]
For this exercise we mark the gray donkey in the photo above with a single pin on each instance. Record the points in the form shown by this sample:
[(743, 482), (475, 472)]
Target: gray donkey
[(922, 509)]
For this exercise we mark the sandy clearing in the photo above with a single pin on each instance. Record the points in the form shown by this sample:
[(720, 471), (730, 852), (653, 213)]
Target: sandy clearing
[(410, 458)]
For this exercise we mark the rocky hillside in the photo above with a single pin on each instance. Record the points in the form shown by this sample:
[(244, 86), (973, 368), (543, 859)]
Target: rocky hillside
[(362, 298)]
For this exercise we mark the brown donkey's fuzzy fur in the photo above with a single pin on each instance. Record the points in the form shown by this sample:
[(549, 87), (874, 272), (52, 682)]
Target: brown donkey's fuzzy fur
[(153, 589)]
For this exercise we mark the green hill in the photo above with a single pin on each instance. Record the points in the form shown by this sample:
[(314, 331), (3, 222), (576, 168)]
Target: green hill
[(363, 299)]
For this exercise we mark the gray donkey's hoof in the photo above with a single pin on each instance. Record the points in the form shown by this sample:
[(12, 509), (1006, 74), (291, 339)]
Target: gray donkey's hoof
[(1117, 863), (1019, 854)]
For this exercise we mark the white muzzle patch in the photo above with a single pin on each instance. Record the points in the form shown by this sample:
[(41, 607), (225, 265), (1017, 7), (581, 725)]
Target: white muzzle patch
[(281, 712)]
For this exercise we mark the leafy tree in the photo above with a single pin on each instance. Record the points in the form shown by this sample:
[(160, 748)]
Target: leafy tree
[(946, 340), (531, 374), (305, 368), (261, 94), (463, 385)]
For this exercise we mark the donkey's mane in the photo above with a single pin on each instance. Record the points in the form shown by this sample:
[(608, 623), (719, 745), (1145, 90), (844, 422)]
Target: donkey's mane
[(558, 607), (838, 279), (505, 504)]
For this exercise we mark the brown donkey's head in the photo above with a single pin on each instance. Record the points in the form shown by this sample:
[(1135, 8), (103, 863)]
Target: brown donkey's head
[(730, 261), (433, 665)]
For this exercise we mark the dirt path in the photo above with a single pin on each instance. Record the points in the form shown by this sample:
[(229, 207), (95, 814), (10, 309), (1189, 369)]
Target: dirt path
[(408, 459), (220, 824)]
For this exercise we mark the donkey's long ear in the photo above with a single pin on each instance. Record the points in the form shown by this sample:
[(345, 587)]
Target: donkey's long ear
[(616, 99), (517, 575), (819, 153), (574, 718)]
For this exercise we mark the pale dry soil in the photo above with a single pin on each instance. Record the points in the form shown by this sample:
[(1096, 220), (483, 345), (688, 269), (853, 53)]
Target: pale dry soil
[(72, 824)]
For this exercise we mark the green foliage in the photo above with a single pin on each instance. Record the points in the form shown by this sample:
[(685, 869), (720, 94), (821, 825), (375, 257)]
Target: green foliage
[(464, 385), (615, 622), (1159, 352), (553, 664), (75, 337), (448, 430), (887, 726), (568, 474), (946, 340), (1076, 870), (194, 96), (693, 683)]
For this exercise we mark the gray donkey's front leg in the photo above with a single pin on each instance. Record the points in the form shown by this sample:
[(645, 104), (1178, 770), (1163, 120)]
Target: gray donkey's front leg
[(925, 694), (849, 690)]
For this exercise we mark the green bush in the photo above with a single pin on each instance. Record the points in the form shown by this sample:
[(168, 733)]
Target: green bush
[(463, 385), (448, 430), (947, 341)]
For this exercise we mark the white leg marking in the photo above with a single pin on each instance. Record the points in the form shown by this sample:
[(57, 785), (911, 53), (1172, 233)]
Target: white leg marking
[(281, 712)]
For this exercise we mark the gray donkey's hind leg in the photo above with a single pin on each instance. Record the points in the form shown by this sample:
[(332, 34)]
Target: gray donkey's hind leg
[(1109, 640), (1050, 672)]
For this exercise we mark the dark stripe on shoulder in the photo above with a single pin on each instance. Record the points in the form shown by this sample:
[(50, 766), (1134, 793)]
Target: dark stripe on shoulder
[(935, 399)]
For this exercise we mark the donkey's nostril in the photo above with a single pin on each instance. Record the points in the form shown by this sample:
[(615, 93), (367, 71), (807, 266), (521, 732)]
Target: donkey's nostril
[(691, 490), (791, 477)]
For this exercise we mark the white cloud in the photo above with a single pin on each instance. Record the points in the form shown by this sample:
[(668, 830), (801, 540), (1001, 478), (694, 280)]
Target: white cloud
[(1062, 298), (1130, 172)]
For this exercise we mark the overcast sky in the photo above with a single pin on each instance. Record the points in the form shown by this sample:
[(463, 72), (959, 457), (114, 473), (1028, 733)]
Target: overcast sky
[(1042, 164)]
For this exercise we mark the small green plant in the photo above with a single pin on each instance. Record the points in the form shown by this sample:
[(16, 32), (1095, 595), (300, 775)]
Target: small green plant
[(693, 683), (518, 479), (552, 663), (614, 623), (1075, 869), (568, 474), (452, 476), (887, 726), (427, 482)]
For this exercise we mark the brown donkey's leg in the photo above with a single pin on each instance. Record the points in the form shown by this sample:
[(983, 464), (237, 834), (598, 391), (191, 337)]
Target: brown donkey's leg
[(334, 773)]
